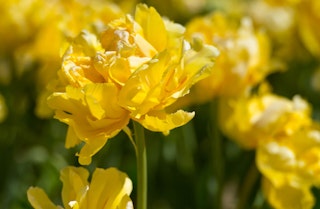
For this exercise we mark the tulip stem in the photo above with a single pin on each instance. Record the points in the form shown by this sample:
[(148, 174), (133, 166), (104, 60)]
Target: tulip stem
[(141, 154), (248, 187), (218, 155)]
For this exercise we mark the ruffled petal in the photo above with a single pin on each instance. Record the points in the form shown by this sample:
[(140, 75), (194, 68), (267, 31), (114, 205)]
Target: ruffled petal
[(90, 148), (163, 122)]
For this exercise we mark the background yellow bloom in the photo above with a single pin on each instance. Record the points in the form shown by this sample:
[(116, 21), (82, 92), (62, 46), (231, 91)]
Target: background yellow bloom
[(244, 58), (288, 196), (308, 18), (293, 158), (249, 120)]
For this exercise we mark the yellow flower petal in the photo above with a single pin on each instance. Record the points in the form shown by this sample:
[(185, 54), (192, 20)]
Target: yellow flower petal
[(75, 184), (98, 103), (251, 119), (90, 148), (163, 122), (154, 30), (244, 58), (93, 115), (39, 199), (125, 203), (108, 187), (288, 196), (142, 90), (308, 18), (72, 139), (276, 161)]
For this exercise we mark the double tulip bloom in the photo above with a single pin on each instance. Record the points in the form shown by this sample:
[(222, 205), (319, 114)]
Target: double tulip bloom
[(286, 140), (244, 58), (136, 69), (290, 165), (250, 120)]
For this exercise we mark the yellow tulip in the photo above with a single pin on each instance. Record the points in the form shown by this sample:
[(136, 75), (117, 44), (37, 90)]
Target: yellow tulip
[(244, 55), (308, 18), (288, 196), (248, 120), (294, 158), (108, 189), (291, 167), (137, 68)]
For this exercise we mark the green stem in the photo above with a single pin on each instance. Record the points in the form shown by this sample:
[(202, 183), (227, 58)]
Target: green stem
[(217, 154), (248, 187), (141, 165)]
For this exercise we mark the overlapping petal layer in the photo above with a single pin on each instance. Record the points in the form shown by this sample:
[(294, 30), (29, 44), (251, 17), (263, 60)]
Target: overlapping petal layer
[(93, 116)]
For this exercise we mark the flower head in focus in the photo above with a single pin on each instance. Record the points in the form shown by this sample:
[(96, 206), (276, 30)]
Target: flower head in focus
[(109, 188), (137, 68)]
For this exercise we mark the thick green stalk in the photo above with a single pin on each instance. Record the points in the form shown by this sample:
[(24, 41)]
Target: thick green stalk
[(141, 153)]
